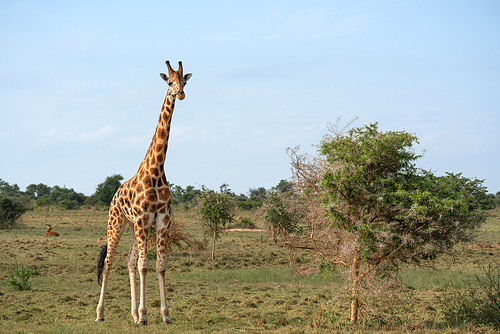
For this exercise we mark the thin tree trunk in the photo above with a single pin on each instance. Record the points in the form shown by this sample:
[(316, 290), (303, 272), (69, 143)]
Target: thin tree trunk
[(355, 300), (213, 247)]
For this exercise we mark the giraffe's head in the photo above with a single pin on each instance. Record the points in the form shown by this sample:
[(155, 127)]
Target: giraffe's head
[(176, 80)]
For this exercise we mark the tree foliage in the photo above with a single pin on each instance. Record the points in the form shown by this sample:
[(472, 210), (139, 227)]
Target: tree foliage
[(106, 190), (369, 207), (38, 191), (11, 209), (181, 195), (280, 213), (67, 199), (9, 190)]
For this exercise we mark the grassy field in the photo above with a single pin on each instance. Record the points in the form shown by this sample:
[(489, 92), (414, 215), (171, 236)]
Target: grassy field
[(250, 289)]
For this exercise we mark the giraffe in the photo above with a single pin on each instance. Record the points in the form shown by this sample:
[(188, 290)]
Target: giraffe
[(139, 202)]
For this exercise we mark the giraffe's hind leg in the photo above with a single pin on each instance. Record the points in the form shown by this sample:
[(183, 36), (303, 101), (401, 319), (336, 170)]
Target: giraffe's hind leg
[(141, 235), (115, 232), (132, 258)]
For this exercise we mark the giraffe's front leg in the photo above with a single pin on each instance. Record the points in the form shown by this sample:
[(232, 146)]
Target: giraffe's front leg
[(161, 235), (132, 258)]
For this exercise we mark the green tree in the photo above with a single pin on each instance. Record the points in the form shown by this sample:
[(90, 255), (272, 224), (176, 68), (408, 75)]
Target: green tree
[(105, 191), (9, 190), (67, 199), (257, 194), (224, 189), (38, 191), (215, 211), (181, 195), (284, 186), (368, 207)]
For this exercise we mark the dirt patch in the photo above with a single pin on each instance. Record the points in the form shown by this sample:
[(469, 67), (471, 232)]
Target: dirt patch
[(245, 230), (482, 246)]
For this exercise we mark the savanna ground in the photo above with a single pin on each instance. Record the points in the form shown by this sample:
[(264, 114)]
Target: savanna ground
[(251, 288)]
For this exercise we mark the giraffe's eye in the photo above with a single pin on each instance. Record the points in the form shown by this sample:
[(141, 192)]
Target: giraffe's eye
[(170, 83)]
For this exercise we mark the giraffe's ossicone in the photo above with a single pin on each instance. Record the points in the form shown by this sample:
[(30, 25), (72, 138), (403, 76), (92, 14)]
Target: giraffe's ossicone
[(139, 202)]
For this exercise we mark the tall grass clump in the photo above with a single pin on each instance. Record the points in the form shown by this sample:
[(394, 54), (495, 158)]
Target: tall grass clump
[(20, 276), (478, 303)]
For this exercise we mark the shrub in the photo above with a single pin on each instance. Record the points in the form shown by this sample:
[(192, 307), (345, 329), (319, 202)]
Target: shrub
[(477, 303), (245, 222), (10, 211), (42, 202), (69, 204)]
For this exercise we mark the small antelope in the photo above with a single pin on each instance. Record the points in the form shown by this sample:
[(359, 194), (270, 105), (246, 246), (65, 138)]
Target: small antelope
[(49, 233)]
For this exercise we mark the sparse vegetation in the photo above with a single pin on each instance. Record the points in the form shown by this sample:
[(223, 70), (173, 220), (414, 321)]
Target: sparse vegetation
[(478, 302), (249, 287)]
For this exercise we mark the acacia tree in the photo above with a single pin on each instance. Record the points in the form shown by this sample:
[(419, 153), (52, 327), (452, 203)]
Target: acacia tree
[(215, 211), (37, 191), (368, 206)]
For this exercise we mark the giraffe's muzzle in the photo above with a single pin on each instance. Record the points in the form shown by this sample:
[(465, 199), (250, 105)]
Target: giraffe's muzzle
[(181, 96)]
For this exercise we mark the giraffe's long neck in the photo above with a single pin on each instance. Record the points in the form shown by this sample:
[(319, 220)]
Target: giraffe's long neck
[(157, 152)]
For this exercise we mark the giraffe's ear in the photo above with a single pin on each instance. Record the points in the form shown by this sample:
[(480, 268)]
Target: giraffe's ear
[(164, 77), (188, 76)]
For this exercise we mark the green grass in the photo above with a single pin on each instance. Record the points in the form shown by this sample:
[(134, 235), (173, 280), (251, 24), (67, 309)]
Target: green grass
[(249, 289)]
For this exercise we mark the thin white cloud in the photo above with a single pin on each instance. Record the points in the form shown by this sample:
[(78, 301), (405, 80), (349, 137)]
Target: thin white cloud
[(179, 130), (49, 133), (90, 136), (50, 137)]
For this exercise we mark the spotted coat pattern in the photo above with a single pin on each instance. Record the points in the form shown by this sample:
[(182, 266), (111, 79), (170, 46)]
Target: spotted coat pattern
[(139, 202)]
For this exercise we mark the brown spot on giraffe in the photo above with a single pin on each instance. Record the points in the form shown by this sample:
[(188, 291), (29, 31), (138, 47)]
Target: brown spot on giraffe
[(140, 201)]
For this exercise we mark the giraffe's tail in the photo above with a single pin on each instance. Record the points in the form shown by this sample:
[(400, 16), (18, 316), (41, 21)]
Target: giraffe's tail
[(100, 263)]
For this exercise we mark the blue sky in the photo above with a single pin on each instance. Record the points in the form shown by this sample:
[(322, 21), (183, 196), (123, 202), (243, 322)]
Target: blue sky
[(80, 93)]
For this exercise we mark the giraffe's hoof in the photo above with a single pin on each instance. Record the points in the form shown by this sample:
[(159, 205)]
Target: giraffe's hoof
[(98, 321), (143, 322), (167, 323)]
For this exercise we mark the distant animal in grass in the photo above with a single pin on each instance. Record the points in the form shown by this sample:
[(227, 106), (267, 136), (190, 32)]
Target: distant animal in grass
[(49, 232)]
